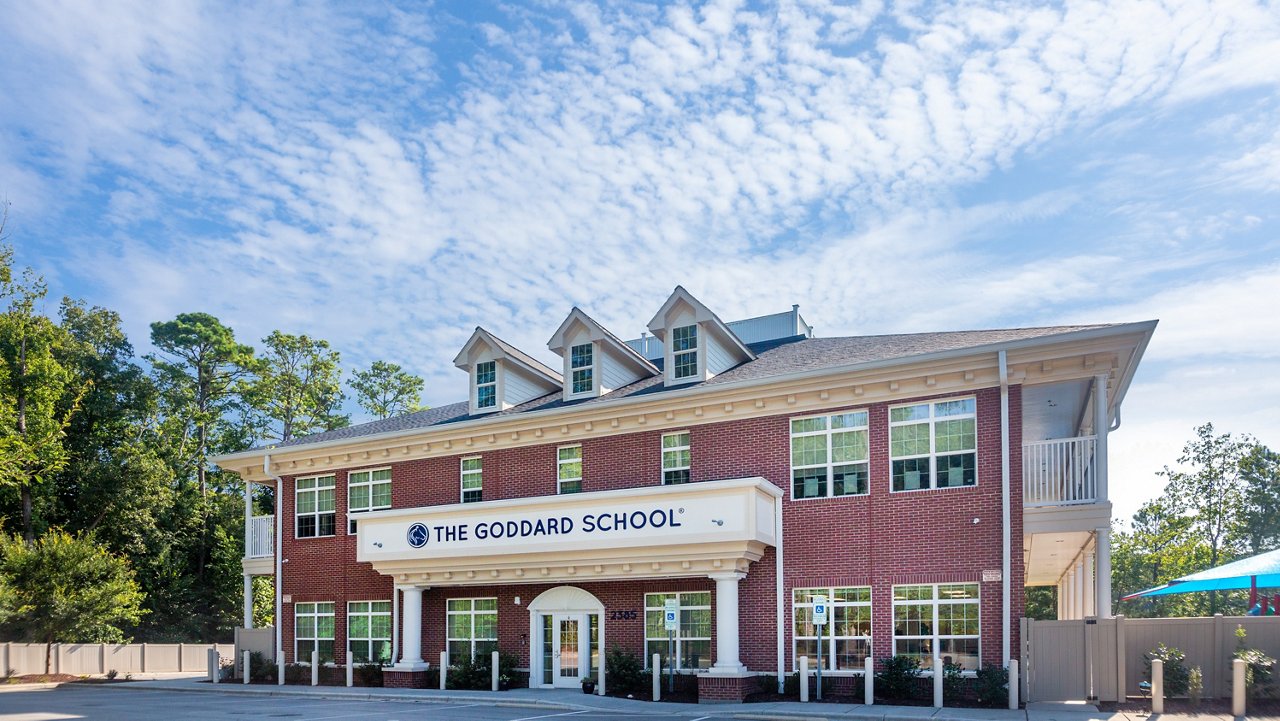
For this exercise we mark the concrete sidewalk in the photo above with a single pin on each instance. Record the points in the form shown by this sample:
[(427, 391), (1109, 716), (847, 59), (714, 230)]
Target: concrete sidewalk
[(576, 701)]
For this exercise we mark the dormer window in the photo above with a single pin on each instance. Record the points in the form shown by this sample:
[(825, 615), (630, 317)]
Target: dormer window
[(582, 366), (486, 384), (684, 351)]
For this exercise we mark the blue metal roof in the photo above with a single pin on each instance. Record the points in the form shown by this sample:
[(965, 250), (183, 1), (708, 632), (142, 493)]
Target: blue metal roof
[(1262, 571)]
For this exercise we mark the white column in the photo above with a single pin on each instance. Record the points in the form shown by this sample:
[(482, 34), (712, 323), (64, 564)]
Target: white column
[(411, 645), (727, 623), (1102, 541), (1101, 426), (1077, 589), (1090, 594), (1067, 596), (248, 601)]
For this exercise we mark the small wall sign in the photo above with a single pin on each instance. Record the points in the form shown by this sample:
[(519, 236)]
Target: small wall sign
[(992, 576)]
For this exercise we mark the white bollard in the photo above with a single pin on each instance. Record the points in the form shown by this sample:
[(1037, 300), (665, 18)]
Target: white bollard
[(315, 668), (938, 673), (1157, 686), (868, 681), (248, 666), (280, 670), (1237, 687), (804, 679), (494, 670), (350, 670), (656, 668), (213, 665), (1014, 686), (444, 669)]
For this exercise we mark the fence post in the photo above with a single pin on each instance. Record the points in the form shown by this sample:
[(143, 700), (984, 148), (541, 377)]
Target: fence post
[(1122, 691), (656, 669), (493, 671), (444, 669), (868, 681), (1219, 651), (4, 667), (102, 658), (937, 676), (57, 658), (245, 671), (804, 679), (1237, 687), (212, 656), (1157, 686), (1013, 684)]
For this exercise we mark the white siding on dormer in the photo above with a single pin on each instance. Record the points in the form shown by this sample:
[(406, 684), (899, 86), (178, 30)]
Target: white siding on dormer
[(615, 374), (719, 358), (518, 387)]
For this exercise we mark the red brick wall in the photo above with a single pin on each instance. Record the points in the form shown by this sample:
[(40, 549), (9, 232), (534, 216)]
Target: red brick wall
[(879, 539)]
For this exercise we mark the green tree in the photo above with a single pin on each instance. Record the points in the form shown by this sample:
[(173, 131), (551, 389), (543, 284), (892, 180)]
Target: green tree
[(32, 382), (1160, 546), (1260, 519), (298, 386), (386, 390), (68, 589)]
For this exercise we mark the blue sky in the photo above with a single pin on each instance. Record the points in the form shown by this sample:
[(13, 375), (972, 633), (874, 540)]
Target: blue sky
[(389, 176)]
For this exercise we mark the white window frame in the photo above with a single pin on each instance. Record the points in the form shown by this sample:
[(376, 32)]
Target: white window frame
[(934, 638), (490, 384), (827, 639), (463, 473), (370, 483), (471, 613), (933, 455), (589, 369), (315, 638), (317, 513), (829, 465), (369, 639), (695, 350), (687, 468), (561, 462), (680, 638)]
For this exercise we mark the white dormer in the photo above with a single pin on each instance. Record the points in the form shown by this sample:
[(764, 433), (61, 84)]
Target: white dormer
[(595, 360), (697, 345), (502, 376)]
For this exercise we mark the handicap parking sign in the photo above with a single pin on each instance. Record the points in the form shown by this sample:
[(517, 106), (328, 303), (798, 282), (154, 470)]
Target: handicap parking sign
[(671, 615), (819, 610)]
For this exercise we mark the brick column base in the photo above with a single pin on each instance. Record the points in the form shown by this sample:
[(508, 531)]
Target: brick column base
[(727, 688), (404, 679)]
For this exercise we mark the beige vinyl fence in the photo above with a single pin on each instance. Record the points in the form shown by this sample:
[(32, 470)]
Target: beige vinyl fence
[(261, 640), (81, 659), (1102, 658)]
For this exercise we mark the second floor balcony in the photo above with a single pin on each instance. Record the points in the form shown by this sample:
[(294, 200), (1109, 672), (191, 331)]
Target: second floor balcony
[(1060, 471), (260, 537)]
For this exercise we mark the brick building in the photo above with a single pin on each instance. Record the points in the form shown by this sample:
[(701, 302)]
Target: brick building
[(735, 473)]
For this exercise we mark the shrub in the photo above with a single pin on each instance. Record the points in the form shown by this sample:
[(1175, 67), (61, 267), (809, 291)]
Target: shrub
[(791, 685), (111, 675), (297, 673), (1259, 667), (952, 681), (370, 674), (1195, 685), (624, 671), (261, 669), (433, 676), (469, 674), (507, 663), (897, 677), (1175, 672), (992, 686)]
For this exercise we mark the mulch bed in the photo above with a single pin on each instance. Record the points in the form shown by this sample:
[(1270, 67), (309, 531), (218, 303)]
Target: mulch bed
[(59, 678)]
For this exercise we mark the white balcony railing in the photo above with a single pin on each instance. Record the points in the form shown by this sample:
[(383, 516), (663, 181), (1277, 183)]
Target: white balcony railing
[(1059, 472), (260, 542)]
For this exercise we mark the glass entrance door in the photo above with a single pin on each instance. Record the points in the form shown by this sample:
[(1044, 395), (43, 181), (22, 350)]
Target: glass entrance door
[(568, 651)]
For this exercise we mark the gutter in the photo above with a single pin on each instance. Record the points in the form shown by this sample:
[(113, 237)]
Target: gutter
[(279, 580), (1006, 622), (1145, 327)]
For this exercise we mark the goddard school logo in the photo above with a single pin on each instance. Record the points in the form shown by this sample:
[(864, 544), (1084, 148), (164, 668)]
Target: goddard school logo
[(418, 535)]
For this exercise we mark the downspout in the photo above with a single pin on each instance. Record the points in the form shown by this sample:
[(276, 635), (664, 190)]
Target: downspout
[(279, 534), (1005, 531), (777, 557)]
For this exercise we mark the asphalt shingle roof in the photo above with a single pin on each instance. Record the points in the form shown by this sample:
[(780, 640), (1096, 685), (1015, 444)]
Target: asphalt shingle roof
[(773, 358)]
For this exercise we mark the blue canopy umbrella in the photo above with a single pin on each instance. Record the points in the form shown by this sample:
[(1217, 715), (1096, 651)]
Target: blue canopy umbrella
[(1260, 570)]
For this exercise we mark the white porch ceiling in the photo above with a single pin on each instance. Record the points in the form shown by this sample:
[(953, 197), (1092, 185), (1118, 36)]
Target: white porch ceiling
[(1047, 555)]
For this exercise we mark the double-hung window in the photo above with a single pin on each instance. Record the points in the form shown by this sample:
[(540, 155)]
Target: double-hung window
[(367, 491), (693, 639), (845, 641), (487, 384), (943, 616), (569, 469), (675, 458), (472, 628), (315, 506), (581, 367), (472, 479), (933, 445), (829, 455), (684, 351), (313, 631), (369, 631)]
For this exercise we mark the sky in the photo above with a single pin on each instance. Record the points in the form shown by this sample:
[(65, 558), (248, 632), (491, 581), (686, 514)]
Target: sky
[(389, 175)]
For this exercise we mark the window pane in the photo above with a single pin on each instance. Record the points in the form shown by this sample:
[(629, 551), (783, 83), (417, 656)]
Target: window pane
[(702, 598), (684, 337), (920, 649), (460, 626), (580, 356), (912, 593), (808, 450), (807, 647), (382, 475), (909, 413), (486, 396), (326, 524), (653, 624), (958, 590), (306, 483), (672, 440), (486, 604), (859, 594), (305, 627), (307, 502), (912, 440), (958, 470), (459, 604), (359, 626), (486, 625), (570, 453), (686, 365), (358, 477), (306, 526), (695, 654), (963, 651), (848, 446), (582, 381), (911, 474), (472, 464), (325, 500), (849, 480), (955, 408), (359, 497), (382, 495), (959, 435), (486, 372), (807, 425), (570, 470), (809, 483), (851, 653), (850, 420), (671, 478), (571, 486)]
